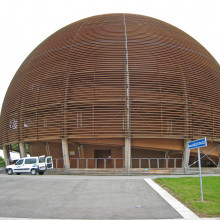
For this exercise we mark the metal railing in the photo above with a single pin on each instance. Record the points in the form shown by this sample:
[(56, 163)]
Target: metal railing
[(156, 163), (102, 163), (114, 163)]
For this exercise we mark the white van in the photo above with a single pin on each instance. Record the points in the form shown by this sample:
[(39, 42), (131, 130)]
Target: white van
[(31, 165)]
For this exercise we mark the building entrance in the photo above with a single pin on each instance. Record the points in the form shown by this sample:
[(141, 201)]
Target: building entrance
[(103, 157)]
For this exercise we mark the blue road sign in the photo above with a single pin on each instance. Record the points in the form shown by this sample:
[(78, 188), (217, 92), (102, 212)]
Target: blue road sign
[(198, 143)]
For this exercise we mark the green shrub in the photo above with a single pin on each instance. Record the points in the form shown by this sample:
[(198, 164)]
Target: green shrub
[(2, 162)]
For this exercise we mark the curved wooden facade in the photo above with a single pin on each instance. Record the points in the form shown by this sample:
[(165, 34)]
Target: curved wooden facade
[(75, 84)]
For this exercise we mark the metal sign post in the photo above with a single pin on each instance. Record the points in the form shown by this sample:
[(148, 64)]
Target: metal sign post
[(200, 174), (198, 144)]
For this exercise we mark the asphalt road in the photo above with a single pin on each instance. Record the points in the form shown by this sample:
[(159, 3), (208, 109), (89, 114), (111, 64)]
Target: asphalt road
[(27, 196)]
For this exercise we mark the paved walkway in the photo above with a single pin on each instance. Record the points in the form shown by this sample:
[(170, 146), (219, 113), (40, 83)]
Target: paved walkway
[(87, 197)]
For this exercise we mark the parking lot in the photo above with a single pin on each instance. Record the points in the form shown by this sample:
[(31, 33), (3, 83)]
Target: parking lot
[(27, 196)]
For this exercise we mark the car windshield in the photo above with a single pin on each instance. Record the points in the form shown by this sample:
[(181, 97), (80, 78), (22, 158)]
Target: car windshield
[(19, 162)]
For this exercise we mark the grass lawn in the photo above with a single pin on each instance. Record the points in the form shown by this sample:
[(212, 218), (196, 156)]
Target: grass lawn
[(187, 190)]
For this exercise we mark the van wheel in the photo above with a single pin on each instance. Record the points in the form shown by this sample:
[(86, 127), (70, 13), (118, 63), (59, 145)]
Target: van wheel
[(18, 173), (33, 172), (41, 173), (10, 171)]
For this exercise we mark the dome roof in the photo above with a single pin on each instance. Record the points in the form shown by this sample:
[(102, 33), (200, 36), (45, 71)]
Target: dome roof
[(108, 75)]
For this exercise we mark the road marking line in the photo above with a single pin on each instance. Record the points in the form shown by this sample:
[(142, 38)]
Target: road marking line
[(178, 206)]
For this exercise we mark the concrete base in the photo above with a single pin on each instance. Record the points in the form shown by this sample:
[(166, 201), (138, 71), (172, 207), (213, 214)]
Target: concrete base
[(132, 172)]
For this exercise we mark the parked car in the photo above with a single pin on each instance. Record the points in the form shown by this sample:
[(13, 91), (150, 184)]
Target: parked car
[(31, 165)]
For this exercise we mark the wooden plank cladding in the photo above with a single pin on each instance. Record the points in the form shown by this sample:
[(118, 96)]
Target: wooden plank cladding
[(75, 83)]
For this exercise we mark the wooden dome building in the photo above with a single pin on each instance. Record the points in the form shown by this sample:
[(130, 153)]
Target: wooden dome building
[(109, 90)]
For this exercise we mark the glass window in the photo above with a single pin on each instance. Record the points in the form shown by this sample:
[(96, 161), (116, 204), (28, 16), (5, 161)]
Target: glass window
[(33, 160), (30, 161), (49, 160), (19, 162), (41, 159), (27, 161)]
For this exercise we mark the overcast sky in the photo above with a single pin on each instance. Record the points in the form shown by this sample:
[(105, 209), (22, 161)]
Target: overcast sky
[(26, 23)]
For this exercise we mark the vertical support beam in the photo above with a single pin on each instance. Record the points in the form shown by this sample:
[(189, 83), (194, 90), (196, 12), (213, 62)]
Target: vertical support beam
[(86, 163), (83, 156), (219, 155), (30, 149), (6, 154), (123, 157), (65, 149), (104, 163), (139, 162), (77, 163), (95, 162), (22, 149), (80, 161), (158, 163), (127, 153), (128, 138), (186, 154), (167, 156)]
